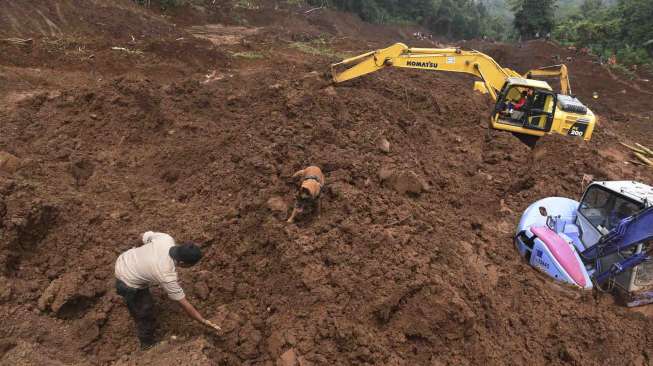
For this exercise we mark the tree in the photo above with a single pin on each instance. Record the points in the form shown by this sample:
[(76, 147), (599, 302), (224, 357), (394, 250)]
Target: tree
[(622, 28), (450, 18), (636, 18), (590, 6), (533, 17), (443, 19)]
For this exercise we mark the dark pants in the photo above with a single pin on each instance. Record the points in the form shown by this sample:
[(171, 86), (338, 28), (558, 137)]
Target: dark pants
[(141, 308)]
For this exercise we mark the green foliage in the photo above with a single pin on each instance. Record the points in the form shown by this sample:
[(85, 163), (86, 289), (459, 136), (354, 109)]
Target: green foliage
[(250, 55), (164, 4), (246, 4), (451, 18), (589, 7), (624, 71), (569, 7), (533, 17), (637, 18), (318, 47), (622, 29), (630, 55)]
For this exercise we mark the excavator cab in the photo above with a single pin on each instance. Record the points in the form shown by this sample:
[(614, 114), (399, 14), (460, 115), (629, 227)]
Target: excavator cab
[(534, 117)]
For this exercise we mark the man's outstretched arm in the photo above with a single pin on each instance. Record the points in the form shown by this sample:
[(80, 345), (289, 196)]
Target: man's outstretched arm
[(194, 314)]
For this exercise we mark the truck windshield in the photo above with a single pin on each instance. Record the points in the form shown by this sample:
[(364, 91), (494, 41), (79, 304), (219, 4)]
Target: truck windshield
[(606, 208)]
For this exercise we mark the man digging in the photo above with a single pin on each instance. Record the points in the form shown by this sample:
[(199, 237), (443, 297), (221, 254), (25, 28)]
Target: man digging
[(154, 263)]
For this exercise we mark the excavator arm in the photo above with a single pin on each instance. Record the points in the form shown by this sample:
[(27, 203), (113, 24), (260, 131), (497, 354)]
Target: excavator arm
[(493, 76), (553, 71)]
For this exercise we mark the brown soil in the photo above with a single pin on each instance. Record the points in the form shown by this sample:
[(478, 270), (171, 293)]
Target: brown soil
[(411, 260)]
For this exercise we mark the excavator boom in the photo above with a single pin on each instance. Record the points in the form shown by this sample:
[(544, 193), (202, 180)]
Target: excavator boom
[(438, 59)]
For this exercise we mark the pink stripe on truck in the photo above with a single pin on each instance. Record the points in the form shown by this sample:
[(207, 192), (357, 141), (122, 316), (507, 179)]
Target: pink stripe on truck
[(562, 252)]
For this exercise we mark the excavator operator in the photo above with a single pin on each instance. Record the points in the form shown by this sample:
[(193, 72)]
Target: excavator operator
[(516, 109)]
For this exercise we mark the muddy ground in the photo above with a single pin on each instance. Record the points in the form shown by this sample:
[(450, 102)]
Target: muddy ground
[(121, 119)]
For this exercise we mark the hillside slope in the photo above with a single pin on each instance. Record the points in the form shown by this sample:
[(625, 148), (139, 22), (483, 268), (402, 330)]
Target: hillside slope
[(198, 136)]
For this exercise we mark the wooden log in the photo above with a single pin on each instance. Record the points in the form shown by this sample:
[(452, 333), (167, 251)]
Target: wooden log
[(646, 149), (18, 41), (633, 148), (644, 159), (635, 162)]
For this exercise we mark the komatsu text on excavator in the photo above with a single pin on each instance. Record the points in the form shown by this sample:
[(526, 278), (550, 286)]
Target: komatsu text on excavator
[(541, 110)]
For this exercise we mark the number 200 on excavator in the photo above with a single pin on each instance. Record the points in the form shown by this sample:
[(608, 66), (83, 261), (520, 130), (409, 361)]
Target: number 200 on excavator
[(544, 112)]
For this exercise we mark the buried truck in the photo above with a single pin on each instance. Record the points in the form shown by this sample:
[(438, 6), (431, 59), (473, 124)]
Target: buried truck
[(603, 241)]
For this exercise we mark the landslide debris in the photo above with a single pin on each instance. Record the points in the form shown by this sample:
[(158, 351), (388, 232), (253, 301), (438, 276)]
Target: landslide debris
[(410, 262)]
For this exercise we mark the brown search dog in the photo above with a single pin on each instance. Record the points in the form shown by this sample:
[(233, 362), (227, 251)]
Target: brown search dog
[(308, 196)]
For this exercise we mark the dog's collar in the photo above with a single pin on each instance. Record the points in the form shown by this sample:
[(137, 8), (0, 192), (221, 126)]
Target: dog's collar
[(313, 177)]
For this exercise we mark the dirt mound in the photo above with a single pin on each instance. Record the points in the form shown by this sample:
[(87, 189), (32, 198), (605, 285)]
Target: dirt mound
[(101, 19), (410, 261), (96, 39)]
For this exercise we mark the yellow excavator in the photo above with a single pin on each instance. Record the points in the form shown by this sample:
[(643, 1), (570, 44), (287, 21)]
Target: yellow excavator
[(541, 111)]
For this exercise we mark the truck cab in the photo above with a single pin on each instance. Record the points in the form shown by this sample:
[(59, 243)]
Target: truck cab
[(602, 240), (603, 206)]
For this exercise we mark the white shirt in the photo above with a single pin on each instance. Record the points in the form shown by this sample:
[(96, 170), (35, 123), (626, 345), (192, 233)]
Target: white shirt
[(150, 264)]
